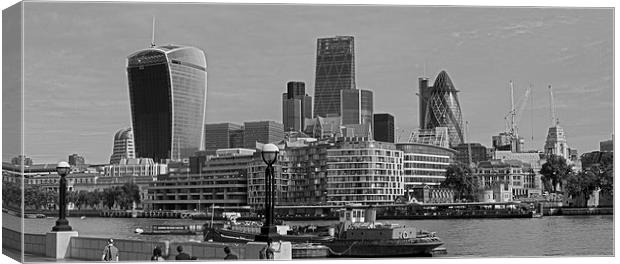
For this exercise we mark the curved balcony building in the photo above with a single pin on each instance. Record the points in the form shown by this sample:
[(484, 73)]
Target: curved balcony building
[(168, 93)]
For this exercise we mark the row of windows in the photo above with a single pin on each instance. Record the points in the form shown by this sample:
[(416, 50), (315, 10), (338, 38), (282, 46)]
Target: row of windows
[(424, 166), (362, 191), (362, 172), (424, 173), (365, 179), (427, 158)]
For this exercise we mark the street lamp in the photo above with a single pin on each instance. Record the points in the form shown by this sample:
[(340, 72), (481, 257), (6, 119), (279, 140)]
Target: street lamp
[(62, 224), (269, 154)]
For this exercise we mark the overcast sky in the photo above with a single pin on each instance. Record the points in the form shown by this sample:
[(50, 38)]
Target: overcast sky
[(76, 95)]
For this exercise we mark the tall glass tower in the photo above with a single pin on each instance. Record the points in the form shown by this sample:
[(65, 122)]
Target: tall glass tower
[(442, 108), (335, 71), (168, 94)]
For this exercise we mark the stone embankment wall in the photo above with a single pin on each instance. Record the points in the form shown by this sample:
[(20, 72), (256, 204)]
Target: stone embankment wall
[(91, 248)]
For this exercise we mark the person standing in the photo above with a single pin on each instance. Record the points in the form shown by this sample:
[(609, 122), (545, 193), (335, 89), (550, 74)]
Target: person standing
[(182, 255), (229, 254), (110, 252), (268, 252), (157, 254)]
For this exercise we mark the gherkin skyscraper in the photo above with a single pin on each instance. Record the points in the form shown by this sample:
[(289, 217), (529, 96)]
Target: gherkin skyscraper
[(440, 107)]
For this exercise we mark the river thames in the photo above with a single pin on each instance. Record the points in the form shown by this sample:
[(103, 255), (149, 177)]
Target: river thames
[(547, 236)]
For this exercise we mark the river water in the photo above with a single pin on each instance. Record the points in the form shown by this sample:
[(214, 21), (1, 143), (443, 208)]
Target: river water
[(547, 236)]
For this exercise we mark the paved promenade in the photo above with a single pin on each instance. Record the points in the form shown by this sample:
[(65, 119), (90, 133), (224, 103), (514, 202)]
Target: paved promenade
[(14, 254)]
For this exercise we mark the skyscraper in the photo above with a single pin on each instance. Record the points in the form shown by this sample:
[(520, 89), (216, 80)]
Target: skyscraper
[(218, 136), (123, 146), (383, 127), (442, 108), (296, 106), (335, 71), (168, 92), (263, 132), (356, 107)]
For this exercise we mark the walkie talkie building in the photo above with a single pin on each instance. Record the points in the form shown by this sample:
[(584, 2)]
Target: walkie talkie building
[(168, 93), (440, 107)]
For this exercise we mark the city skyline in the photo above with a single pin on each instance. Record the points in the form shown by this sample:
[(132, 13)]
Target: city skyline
[(481, 48)]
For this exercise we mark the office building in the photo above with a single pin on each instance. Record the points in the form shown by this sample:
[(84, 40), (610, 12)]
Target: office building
[(21, 160), (441, 107), (437, 136), (383, 127), (296, 106), (424, 164), (222, 181), (123, 146), (356, 107), (76, 160), (256, 181), (168, 92), (323, 127), (262, 132), (517, 177), (135, 167), (335, 71), (222, 136), (471, 153), (364, 171)]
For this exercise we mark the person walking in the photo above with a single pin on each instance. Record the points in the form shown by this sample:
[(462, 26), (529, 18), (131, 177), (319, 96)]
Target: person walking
[(110, 252), (157, 254), (229, 254), (182, 255)]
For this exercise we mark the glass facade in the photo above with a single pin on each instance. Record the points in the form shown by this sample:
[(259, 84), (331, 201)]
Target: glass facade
[(335, 71), (357, 107), (383, 127), (220, 136), (424, 164), (263, 132), (442, 107), (168, 88)]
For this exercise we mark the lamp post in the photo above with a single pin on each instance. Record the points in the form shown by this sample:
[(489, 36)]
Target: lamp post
[(268, 230), (62, 224)]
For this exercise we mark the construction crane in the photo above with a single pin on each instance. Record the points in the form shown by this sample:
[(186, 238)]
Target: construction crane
[(554, 119), (514, 116)]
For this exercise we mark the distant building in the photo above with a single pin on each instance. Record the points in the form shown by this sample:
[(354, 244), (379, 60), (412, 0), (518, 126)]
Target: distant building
[(222, 136), (440, 107), (222, 181), (262, 132), (478, 153), (21, 160), (335, 71), (296, 107), (356, 107), (383, 129), (168, 94), (437, 136), (596, 158), (556, 142), (123, 146), (424, 165), (323, 127), (506, 141), (135, 167), (607, 145), (76, 160), (515, 176), (256, 181)]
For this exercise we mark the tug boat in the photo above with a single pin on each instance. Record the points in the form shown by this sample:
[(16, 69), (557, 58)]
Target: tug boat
[(359, 235)]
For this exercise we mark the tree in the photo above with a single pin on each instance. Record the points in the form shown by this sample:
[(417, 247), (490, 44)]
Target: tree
[(554, 171), (582, 184), (459, 179), (93, 198), (109, 197)]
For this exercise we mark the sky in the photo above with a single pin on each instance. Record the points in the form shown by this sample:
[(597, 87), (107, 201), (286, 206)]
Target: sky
[(75, 84)]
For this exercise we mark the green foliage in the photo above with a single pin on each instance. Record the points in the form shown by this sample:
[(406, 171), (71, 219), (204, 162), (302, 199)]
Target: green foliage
[(11, 195), (554, 171), (459, 178), (581, 184), (123, 196)]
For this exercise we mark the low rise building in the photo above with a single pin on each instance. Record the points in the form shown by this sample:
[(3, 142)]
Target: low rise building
[(424, 164), (514, 175), (135, 167)]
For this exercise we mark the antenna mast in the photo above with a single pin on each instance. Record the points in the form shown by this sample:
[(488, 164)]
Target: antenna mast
[(153, 34)]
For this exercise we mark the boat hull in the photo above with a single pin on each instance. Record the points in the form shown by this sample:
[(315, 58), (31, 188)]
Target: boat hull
[(224, 235), (382, 248)]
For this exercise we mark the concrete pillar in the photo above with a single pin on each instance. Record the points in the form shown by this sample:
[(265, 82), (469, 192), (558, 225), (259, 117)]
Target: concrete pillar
[(57, 243)]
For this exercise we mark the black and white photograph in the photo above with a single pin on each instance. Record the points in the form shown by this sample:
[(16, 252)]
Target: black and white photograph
[(222, 131)]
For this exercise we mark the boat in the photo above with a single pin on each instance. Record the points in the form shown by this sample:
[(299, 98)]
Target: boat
[(360, 236), (243, 232), (169, 230)]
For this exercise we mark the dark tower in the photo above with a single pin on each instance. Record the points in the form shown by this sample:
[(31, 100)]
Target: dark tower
[(168, 93)]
